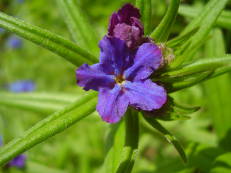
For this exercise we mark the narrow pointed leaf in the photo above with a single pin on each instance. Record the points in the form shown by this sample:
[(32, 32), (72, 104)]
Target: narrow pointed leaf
[(224, 20), (80, 28), (131, 142), (216, 90), (48, 127), (203, 65), (176, 86), (206, 21), (201, 16), (64, 48), (115, 143), (161, 33), (145, 7), (170, 138), (38, 102)]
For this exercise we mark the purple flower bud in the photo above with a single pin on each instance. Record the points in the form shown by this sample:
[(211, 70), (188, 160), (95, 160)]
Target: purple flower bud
[(125, 25), (22, 86), (18, 161), (14, 42)]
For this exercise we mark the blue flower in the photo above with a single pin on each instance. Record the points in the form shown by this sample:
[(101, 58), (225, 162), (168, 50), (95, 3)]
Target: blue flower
[(22, 86), (121, 77), (14, 42), (2, 30), (18, 161)]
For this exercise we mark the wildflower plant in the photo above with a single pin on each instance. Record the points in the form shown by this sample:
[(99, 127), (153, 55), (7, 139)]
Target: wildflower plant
[(137, 70)]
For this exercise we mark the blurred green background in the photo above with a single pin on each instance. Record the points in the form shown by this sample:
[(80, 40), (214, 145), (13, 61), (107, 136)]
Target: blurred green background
[(82, 148)]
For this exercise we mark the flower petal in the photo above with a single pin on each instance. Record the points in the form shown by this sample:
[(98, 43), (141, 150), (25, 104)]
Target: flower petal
[(147, 59), (93, 77), (112, 104), (130, 34), (145, 95), (114, 55), (114, 20)]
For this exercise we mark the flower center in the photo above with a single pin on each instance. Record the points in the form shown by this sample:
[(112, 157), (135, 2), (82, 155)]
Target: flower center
[(120, 79)]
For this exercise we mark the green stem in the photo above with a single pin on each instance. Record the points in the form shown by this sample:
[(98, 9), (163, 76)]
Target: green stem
[(131, 142)]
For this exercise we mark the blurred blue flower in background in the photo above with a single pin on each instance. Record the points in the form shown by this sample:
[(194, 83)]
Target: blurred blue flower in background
[(22, 86), (20, 1), (18, 161), (14, 42), (2, 30), (1, 141)]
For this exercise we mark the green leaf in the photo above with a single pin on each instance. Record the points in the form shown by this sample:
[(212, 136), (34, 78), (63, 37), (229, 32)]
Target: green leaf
[(79, 27), (176, 86), (115, 143), (34, 106), (64, 48), (187, 109), (222, 163), (205, 20), (43, 96), (161, 33), (130, 149), (177, 41), (170, 138), (200, 66), (224, 20), (38, 102), (201, 17), (122, 144), (216, 90), (178, 112), (48, 127), (145, 7)]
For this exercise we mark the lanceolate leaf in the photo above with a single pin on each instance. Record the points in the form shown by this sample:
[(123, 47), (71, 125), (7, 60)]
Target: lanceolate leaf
[(145, 7), (161, 33), (82, 32), (189, 82), (115, 143), (201, 17), (206, 21), (43, 96), (170, 138), (48, 127), (216, 90), (39, 102), (34, 106), (224, 20), (130, 148), (203, 65), (68, 50)]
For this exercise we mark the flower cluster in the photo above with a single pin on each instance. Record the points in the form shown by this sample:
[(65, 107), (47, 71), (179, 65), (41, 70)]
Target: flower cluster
[(127, 59)]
